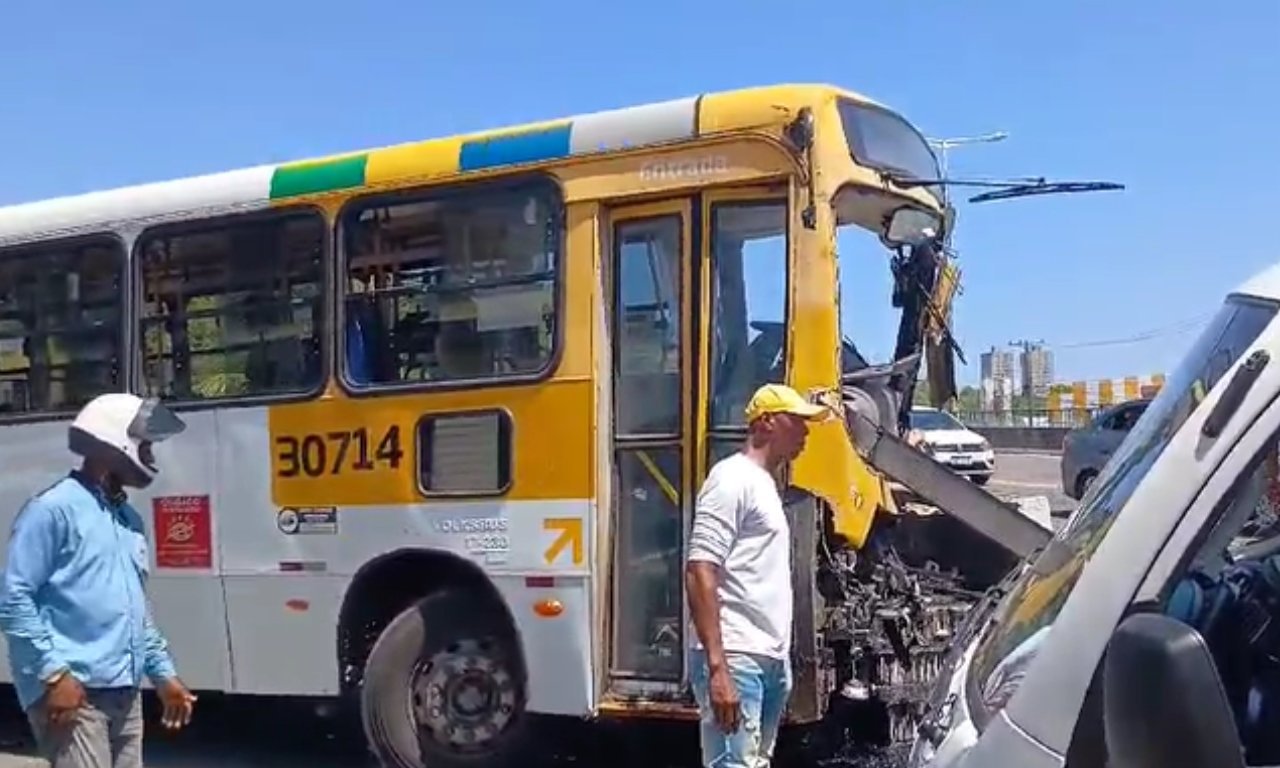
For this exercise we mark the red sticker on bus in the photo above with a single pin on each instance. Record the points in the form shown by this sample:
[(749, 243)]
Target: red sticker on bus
[(184, 536)]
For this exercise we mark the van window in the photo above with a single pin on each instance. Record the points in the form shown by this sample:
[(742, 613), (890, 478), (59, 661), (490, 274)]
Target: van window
[(233, 308), (456, 286), (61, 310), (1027, 614), (1227, 594)]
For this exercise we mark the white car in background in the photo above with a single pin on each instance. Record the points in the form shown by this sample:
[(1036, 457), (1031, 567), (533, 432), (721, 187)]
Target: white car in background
[(953, 444)]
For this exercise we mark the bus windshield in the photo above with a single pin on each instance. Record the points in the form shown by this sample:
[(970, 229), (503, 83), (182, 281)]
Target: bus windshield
[(881, 140), (1028, 612)]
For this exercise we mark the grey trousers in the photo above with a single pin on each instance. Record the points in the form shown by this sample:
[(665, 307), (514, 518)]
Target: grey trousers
[(106, 733)]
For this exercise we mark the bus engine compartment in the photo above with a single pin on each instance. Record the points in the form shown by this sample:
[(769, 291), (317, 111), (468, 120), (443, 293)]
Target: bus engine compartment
[(889, 610)]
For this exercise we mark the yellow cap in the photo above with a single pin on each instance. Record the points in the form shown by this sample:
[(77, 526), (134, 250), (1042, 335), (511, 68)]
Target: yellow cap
[(779, 398)]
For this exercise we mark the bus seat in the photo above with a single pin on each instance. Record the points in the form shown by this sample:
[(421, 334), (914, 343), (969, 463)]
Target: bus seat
[(367, 343), (357, 351), (276, 363), (461, 350)]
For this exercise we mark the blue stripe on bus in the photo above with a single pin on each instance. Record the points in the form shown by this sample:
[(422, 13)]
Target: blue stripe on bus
[(527, 147)]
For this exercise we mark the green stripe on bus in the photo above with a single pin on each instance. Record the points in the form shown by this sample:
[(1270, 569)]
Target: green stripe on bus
[(314, 178)]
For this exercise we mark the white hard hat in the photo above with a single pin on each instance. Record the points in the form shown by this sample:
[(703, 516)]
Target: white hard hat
[(117, 425)]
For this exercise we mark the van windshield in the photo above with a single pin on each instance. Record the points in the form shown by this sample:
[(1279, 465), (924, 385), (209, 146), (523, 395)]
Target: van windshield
[(1027, 613)]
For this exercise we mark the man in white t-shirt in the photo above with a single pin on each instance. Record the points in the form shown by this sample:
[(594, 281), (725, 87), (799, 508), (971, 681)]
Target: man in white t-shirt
[(738, 579)]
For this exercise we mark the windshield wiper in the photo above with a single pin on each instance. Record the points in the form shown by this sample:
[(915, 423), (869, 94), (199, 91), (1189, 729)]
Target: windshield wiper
[(1005, 189), (1041, 187)]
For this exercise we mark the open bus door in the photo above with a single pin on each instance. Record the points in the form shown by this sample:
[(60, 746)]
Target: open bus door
[(686, 280)]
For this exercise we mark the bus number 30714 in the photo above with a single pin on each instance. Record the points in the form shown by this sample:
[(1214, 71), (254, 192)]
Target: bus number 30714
[(333, 453)]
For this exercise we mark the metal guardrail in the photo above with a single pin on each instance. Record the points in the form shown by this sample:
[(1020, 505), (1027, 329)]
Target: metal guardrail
[(1066, 418)]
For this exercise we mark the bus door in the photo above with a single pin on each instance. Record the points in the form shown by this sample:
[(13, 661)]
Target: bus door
[(695, 289)]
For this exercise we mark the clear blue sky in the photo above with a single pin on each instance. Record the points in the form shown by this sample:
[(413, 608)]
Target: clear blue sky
[(1178, 100)]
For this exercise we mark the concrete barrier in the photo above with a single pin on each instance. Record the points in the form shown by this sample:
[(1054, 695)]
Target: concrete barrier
[(1024, 438)]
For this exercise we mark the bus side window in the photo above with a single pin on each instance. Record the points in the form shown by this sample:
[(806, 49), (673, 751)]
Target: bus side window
[(451, 286), (61, 310), (233, 308)]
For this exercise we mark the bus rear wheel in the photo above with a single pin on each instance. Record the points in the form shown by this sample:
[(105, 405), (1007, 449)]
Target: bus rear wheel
[(442, 686)]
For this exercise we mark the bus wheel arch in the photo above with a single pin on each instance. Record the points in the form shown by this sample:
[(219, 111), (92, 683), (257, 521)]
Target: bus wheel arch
[(389, 583), (428, 628)]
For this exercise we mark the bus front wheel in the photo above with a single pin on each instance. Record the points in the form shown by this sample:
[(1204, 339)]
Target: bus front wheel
[(442, 686)]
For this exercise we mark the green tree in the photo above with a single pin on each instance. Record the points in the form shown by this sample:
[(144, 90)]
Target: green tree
[(922, 394), (969, 400), (1023, 403)]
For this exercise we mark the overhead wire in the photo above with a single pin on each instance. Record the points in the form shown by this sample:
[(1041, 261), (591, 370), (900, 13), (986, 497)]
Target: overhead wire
[(1169, 330)]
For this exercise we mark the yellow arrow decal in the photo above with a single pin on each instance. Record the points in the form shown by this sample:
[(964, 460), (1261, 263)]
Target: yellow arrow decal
[(570, 529)]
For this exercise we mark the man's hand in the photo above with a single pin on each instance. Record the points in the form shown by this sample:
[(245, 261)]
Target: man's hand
[(724, 699), (63, 699), (178, 703)]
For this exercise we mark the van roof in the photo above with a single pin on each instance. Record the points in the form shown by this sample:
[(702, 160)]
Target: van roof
[(1264, 284)]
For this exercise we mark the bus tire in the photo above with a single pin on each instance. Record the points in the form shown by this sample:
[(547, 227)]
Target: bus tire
[(443, 686)]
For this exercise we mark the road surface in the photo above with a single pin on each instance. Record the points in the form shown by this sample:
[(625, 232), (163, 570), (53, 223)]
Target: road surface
[(225, 734), (248, 734), (1031, 474)]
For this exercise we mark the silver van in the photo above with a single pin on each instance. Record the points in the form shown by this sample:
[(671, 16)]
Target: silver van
[(1145, 632)]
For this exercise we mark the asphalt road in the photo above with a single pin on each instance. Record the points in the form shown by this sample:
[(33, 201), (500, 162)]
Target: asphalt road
[(226, 733), (234, 733), (1031, 474)]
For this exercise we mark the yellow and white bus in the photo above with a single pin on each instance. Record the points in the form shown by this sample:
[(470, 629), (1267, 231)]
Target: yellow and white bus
[(449, 402)]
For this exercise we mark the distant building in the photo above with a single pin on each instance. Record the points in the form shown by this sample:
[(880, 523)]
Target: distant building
[(997, 379), (997, 364), (1036, 362)]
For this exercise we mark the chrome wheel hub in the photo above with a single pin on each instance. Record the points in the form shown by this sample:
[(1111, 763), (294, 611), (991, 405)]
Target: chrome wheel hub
[(464, 696)]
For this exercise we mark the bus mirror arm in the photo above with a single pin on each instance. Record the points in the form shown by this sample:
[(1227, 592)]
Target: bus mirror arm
[(1001, 522), (799, 133)]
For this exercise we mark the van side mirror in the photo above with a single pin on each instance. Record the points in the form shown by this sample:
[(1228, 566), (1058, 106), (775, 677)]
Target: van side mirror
[(1164, 701)]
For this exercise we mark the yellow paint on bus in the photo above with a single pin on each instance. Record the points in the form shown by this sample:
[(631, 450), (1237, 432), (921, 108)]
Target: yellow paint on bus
[(551, 453)]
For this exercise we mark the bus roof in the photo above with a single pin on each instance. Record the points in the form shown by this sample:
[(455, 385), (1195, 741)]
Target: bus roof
[(434, 159)]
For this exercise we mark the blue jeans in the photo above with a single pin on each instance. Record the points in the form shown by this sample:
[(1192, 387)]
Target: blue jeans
[(764, 684)]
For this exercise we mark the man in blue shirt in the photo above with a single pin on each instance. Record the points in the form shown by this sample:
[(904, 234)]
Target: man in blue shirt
[(73, 606)]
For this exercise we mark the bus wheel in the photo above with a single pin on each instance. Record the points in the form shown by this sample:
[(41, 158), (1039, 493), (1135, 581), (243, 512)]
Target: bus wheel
[(442, 686)]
